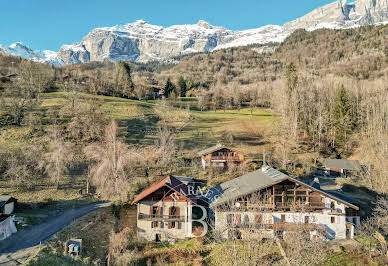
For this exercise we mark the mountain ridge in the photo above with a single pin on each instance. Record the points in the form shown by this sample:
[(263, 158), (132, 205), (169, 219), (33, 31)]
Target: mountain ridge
[(143, 42)]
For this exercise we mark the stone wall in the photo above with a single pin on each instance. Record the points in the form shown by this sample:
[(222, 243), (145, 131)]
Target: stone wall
[(146, 231)]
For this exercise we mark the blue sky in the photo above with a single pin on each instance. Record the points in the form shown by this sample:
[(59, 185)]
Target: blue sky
[(47, 24)]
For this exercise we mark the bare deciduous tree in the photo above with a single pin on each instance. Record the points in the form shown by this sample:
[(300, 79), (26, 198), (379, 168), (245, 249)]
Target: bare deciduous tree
[(112, 158), (57, 157)]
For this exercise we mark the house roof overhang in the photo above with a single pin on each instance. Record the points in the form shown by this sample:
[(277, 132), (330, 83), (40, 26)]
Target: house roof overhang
[(172, 183)]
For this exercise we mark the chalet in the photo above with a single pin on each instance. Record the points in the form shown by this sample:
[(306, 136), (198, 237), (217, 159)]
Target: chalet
[(165, 209), (7, 204), (269, 202), (220, 155), (340, 167)]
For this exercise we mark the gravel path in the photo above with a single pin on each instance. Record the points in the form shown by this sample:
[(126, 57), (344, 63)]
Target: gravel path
[(16, 249)]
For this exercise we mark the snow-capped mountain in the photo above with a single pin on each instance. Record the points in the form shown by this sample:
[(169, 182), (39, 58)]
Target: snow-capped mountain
[(45, 56), (143, 42)]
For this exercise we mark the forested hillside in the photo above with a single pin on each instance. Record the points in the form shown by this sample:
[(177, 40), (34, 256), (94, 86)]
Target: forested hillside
[(111, 129), (328, 87)]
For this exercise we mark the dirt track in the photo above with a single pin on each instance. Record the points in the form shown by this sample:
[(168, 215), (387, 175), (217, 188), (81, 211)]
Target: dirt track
[(16, 249)]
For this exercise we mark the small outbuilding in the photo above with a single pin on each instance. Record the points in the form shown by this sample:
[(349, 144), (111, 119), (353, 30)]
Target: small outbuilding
[(7, 226), (7, 204), (341, 167)]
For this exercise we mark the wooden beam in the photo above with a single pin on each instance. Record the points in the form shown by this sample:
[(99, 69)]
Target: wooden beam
[(273, 196), (307, 196), (295, 195)]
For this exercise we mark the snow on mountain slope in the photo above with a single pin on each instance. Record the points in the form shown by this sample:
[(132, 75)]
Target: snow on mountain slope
[(45, 56), (143, 42)]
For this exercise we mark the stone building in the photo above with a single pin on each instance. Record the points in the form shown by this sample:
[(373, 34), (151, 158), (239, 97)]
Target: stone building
[(165, 209)]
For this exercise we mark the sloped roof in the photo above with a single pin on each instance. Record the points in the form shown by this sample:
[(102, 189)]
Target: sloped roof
[(4, 199), (212, 149), (247, 184), (176, 184), (257, 180), (342, 164)]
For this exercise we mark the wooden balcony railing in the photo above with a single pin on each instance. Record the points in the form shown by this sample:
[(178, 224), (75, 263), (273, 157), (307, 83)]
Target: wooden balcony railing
[(166, 218), (225, 158), (311, 205), (283, 226), (278, 206), (253, 226)]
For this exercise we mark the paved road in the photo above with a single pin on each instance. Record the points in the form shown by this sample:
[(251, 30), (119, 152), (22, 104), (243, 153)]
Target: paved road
[(17, 248)]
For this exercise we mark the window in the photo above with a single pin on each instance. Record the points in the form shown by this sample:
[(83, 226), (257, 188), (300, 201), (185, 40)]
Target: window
[(229, 219), (155, 211), (283, 218), (154, 224), (174, 211), (332, 219), (332, 206), (307, 219), (246, 219)]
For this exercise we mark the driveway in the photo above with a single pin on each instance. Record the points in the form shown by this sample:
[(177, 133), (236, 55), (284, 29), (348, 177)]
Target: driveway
[(16, 249)]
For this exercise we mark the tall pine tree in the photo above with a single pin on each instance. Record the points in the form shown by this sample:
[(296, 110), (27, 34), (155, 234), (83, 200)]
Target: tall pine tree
[(124, 85), (182, 86), (342, 117), (291, 77), (169, 88)]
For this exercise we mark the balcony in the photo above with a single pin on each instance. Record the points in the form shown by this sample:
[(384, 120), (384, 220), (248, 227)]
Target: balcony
[(283, 226), (225, 158), (300, 206), (278, 206), (161, 218), (253, 226)]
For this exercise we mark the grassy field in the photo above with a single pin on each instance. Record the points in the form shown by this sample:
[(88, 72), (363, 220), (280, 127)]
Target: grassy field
[(138, 122)]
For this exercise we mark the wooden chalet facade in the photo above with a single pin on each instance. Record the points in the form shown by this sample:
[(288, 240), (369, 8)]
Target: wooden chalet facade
[(164, 210), (220, 156), (269, 202)]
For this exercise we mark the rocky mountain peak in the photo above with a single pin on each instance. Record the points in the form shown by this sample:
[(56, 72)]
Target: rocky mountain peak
[(204, 24), (143, 42)]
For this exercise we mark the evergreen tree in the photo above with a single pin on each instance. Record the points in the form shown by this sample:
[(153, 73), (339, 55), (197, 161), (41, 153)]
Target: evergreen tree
[(182, 86), (124, 85), (342, 116), (169, 88), (291, 77)]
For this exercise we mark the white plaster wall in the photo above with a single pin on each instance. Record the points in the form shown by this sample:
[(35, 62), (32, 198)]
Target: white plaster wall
[(7, 228), (336, 230), (9, 207)]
